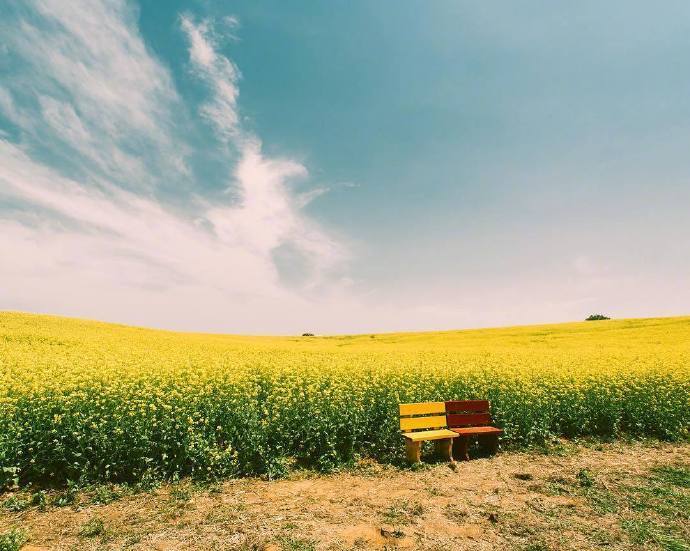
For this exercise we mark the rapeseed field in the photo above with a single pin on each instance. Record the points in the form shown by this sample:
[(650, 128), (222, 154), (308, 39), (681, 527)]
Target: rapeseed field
[(84, 401)]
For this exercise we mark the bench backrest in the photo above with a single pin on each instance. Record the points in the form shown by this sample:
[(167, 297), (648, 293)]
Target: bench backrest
[(468, 413), (423, 416)]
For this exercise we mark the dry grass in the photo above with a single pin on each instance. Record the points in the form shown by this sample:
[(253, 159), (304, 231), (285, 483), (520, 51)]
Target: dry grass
[(622, 496)]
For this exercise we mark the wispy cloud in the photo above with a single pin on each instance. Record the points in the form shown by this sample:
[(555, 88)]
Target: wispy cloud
[(86, 229), (83, 70), (269, 211), (219, 73)]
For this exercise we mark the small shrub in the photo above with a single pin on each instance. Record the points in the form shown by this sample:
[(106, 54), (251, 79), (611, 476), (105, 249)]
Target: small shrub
[(103, 495), (180, 494), (92, 528), (12, 540), (38, 499), (68, 497), (14, 504), (585, 478)]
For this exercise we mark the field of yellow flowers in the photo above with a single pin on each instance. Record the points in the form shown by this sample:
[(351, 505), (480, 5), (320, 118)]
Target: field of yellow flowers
[(82, 400)]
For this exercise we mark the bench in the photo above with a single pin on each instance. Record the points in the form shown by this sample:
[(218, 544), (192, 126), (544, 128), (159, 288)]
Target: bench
[(426, 421), (468, 418)]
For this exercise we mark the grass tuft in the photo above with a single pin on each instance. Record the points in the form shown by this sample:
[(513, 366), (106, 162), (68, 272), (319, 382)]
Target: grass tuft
[(92, 528)]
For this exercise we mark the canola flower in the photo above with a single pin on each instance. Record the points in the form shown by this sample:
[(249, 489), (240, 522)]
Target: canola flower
[(84, 401)]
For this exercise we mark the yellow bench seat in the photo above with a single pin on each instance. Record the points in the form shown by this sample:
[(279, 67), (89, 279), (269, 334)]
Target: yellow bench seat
[(439, 434)]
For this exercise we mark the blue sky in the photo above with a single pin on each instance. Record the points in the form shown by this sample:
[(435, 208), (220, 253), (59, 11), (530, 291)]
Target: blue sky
[(272, 167)]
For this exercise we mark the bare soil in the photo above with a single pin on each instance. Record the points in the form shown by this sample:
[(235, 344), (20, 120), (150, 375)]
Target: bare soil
[(577, 496)]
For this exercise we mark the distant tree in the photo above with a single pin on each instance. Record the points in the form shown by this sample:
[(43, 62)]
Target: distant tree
[(597, 317), (307, 334)]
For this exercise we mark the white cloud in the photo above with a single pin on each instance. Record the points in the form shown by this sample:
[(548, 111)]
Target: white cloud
[(86, 84), (219, 73), (11, 111), (269, 212), (97, 240), (94, 50)]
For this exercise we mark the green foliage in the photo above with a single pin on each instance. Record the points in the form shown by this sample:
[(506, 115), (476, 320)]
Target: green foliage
[(597, 317), (94, 527), (288, 543), (12, 540), (38, 499), (585, 478), (677, 476), (655, 508), (15, 504), (538, 546), (66, 497), (180, 494), (104, 494)]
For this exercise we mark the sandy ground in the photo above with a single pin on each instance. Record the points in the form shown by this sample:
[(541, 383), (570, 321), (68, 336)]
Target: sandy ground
[(510, 501)]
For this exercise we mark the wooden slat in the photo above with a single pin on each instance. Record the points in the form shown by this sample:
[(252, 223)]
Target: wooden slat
[(430, 435), (464, 431), (422, 408), (411, 423), (461, 406), (468, 419)]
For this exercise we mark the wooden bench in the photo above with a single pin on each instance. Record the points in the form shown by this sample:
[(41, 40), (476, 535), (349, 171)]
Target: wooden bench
[(469, 418), (426, 421)]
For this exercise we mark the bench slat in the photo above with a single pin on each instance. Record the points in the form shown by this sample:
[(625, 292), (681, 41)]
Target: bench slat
[(468, 419), (423, 408), (465, 431), (412, 423), (430, 435), (461, 406)]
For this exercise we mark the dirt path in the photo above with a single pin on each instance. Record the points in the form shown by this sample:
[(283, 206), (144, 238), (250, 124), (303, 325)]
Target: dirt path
[(581, 497)]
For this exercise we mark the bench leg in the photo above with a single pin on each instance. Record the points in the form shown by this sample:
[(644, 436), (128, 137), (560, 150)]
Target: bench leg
[(491, 443), (444, 449), (413, 450), (460, 447)]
